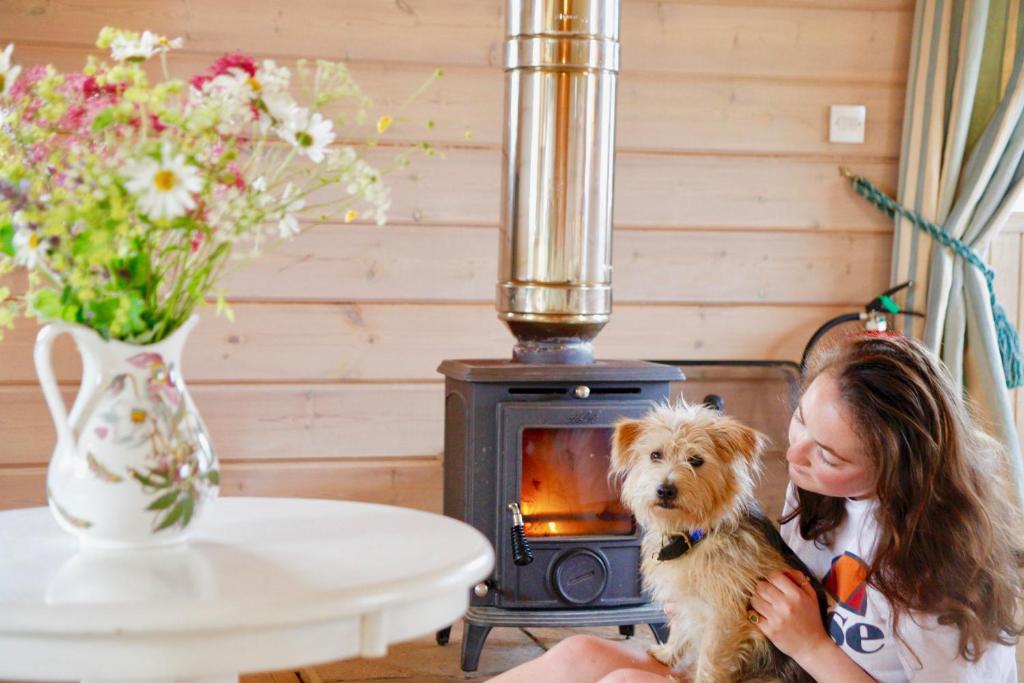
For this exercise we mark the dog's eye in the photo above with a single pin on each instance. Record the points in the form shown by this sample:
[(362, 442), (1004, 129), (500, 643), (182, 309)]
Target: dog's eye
[(656, 456), (696, 461)]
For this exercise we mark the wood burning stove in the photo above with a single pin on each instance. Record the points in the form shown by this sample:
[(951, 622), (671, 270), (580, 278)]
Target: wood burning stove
[(538, 438)]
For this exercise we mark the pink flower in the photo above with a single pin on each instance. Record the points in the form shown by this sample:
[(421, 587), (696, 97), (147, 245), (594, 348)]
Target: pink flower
[(74, 118), (26, 80), (90, 88), (87, 99), (73, 82), (232, 60), (235, 175)]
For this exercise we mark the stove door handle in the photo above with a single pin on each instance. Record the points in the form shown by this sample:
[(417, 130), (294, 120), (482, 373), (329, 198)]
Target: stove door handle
[(522, 555)]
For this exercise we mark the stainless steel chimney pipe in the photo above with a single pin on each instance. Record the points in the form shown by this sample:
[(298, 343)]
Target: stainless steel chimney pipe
[(561, 72)]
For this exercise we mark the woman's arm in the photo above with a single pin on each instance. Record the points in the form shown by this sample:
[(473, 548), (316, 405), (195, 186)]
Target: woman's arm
[(827, 662), (786, 611)]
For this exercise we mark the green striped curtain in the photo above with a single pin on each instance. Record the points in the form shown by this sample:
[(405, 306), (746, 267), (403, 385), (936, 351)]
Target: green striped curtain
[(961, 167)]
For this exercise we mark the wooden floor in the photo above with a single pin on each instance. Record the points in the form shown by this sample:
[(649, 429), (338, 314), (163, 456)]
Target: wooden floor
[(424, 661)]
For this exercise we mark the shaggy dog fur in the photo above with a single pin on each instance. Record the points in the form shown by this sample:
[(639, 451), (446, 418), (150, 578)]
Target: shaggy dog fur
[(684, 468)]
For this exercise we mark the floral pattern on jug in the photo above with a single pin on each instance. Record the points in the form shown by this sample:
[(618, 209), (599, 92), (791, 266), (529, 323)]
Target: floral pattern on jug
[(133, 464)]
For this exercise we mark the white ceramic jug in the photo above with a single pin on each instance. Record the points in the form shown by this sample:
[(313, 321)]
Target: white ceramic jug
[(133, 464)]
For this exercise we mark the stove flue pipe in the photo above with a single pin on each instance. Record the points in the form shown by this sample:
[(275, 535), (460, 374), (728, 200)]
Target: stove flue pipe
[(561, 71)]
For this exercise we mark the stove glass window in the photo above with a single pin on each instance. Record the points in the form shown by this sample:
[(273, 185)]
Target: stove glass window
[(565, 488)]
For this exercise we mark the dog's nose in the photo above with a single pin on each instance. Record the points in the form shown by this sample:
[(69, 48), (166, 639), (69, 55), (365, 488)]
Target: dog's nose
[(667, 491)]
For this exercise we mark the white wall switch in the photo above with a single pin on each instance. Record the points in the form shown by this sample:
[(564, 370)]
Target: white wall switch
[(846, 123)]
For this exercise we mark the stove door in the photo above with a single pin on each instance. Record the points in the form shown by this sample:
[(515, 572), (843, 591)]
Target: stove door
[(554, 463), (563, 484)]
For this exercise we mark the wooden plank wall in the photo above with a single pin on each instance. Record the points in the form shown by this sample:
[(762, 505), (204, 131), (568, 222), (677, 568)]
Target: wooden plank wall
[(735, 235)]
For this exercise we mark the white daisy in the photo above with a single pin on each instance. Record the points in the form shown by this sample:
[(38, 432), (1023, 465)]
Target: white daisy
[(164, 187), (29, 245), (270, 87), (135, 48), (275, 109), (233, 83), (8, 72), (288, 226), (309, 134), (228, 97), (271, 78)]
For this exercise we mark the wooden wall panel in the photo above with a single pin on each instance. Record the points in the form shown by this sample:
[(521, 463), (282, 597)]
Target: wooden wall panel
[(267, 421), (410, 483), (391, 263), (388, 343), (823, 41), (735, 234), (1005, 257), (657, 111), (653, 190)]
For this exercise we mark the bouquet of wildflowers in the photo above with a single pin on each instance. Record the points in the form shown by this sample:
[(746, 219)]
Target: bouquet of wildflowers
[(125, 199)]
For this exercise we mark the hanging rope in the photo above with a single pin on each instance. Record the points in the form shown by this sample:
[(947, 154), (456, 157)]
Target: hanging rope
[(1009, 341)]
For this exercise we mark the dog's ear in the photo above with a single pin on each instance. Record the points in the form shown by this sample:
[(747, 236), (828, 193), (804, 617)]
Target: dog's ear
[(626, 434), (733, 437)]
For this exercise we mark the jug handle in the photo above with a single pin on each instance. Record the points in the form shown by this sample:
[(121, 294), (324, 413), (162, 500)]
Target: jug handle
[(51, 392)]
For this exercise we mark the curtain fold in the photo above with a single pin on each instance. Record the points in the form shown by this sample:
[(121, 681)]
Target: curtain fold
[(962, 167)]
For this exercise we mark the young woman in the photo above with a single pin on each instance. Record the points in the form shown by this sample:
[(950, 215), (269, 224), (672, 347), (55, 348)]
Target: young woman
[(898, 504)]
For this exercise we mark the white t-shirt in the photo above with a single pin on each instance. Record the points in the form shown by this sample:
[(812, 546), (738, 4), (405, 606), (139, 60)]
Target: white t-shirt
[(860, 619)]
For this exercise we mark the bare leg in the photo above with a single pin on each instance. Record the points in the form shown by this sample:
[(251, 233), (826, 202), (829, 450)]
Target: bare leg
[(204, 679), (635, 676), (584, 659)]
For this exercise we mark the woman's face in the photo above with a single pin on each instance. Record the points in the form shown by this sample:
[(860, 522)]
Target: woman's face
[(825, 455)]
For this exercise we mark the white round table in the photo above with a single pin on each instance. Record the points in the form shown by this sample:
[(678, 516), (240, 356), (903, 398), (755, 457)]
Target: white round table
[(263, 584)]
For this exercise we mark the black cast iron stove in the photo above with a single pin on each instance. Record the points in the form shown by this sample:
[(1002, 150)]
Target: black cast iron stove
[(538, 438)]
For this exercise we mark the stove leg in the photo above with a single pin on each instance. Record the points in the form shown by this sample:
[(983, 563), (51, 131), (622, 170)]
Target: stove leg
[(443, 635), (660, 632), (627, 630), (473, 637)]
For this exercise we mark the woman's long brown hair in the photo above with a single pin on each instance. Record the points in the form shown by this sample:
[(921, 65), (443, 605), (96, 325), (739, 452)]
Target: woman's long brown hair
[(949, 542)]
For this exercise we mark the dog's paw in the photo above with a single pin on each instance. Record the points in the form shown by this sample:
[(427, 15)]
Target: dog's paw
[(663, 653)]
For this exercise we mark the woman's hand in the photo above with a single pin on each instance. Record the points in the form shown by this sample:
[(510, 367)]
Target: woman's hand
[(785, 609)]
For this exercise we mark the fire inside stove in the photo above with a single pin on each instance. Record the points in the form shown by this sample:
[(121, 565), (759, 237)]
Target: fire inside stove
[(565, 489)]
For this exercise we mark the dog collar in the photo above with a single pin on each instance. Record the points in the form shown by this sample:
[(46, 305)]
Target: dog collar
[(679, 544)]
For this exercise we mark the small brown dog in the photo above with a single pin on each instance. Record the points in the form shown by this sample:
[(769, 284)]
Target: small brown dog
[(688, 474)]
